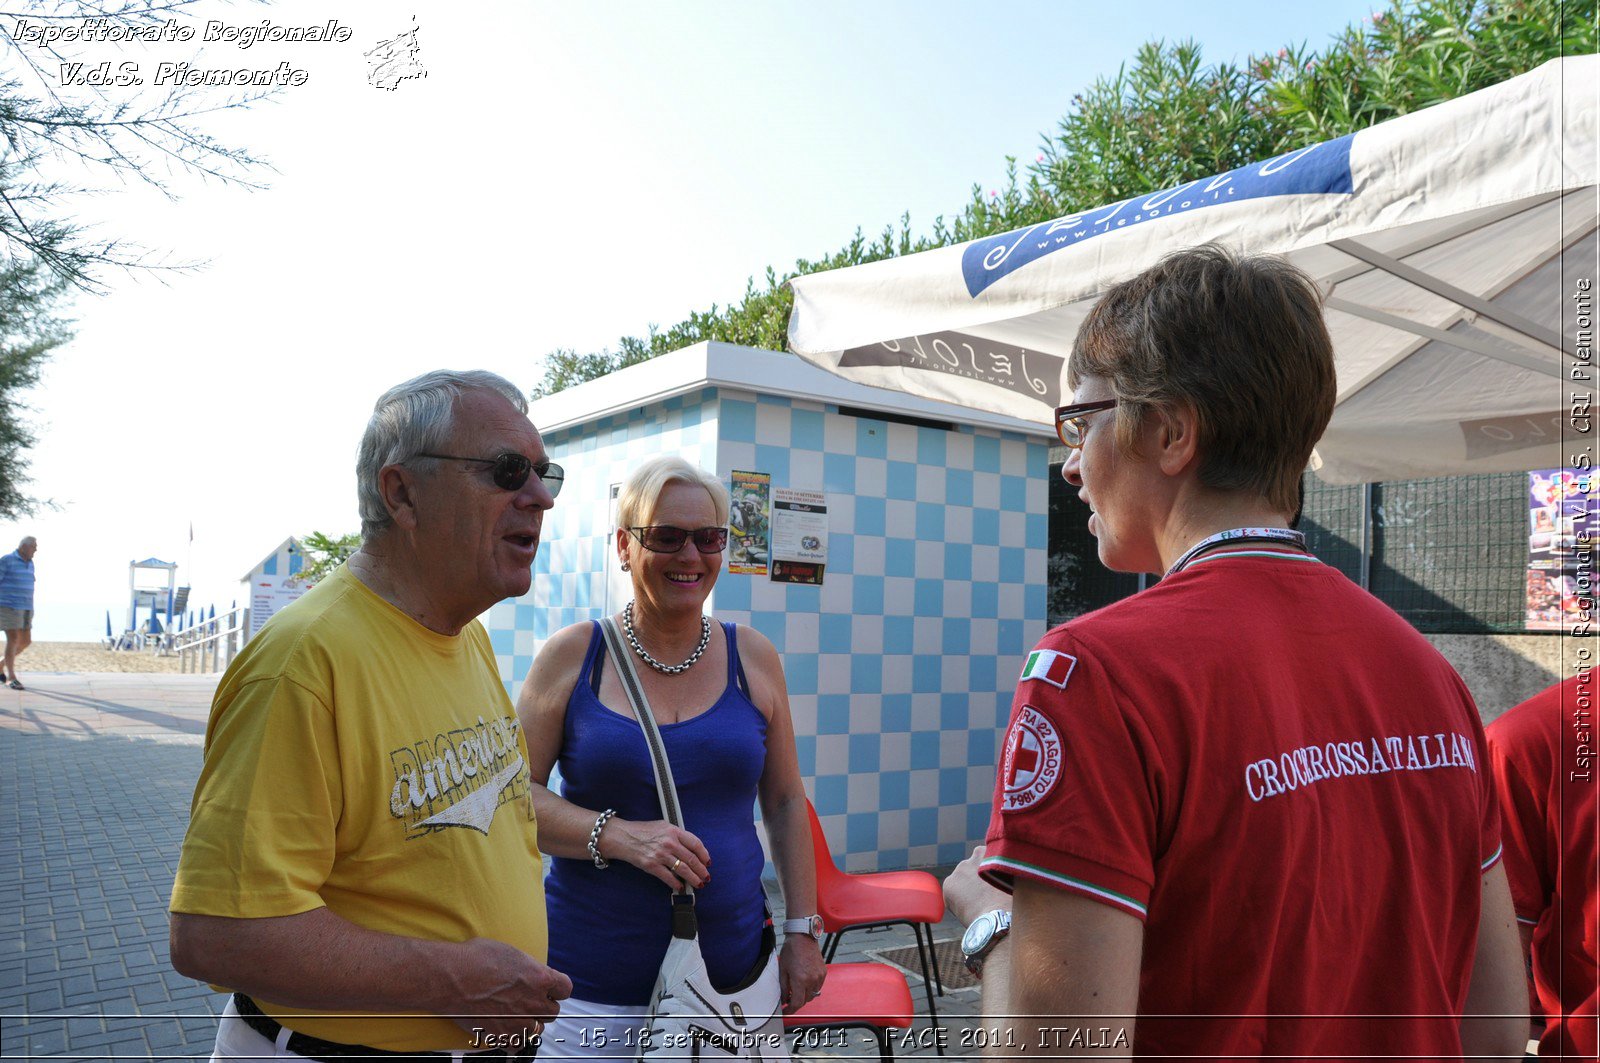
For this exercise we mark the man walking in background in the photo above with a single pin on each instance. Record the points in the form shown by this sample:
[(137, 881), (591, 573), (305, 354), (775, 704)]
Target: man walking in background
[(16, 605)]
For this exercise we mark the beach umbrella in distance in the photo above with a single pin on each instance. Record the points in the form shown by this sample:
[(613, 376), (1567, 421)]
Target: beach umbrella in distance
[(108, 623)]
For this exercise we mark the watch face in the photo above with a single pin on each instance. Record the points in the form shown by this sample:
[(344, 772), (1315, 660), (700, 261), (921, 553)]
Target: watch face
[(978, 934)]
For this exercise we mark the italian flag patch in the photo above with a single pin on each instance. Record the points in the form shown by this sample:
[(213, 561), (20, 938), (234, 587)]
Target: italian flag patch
[(1050, 667)]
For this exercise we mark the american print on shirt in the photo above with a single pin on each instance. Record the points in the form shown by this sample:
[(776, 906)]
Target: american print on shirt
[(459, 779)]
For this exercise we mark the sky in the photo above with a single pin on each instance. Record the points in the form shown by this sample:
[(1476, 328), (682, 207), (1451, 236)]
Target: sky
[(565, 174)]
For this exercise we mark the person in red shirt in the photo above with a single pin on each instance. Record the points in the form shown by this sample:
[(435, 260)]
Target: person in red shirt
[(1245, 812), (1546, 785)]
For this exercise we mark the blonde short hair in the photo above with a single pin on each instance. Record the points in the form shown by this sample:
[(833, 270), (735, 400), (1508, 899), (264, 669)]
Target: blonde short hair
[(636, 503)]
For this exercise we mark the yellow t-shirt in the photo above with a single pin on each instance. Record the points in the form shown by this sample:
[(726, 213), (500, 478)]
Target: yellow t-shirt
[(357, 760)]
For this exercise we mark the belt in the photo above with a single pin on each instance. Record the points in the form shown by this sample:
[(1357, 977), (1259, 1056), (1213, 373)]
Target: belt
[(333, 1052)]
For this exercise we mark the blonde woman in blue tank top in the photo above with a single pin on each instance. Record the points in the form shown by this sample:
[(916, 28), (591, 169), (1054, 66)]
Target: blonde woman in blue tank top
[(718, 694)]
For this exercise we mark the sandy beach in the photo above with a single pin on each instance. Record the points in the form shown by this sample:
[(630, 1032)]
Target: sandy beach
[(89, 657)]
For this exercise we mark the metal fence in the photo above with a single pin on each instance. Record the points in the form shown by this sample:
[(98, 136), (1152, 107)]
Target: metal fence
[(1078, 581), (210, 645), (1450, 555)]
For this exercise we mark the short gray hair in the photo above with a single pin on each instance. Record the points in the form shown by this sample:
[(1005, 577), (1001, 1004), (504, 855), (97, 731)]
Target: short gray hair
[(411, 419), (28, 540)]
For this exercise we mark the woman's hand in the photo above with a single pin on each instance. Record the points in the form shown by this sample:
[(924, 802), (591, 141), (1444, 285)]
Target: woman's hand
[(656, 847), (800, 971)]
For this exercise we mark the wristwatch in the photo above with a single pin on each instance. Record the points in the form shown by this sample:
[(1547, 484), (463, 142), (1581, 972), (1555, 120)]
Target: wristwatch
[(806, 924), (982, 936)]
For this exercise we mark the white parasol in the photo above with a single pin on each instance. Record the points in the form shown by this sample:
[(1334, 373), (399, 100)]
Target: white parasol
[(1456, 246)]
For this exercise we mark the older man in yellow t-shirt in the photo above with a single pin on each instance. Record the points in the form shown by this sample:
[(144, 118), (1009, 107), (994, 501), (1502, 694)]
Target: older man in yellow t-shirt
[(361, 866)]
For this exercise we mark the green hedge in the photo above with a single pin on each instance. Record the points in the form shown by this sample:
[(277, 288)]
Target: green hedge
[(1166, 118)]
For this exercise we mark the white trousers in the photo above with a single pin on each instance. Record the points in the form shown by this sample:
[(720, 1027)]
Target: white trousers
[(586, 1030), (236, 1040)]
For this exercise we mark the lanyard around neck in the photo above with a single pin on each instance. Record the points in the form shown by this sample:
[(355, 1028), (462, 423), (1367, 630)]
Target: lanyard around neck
[(1276, 535)]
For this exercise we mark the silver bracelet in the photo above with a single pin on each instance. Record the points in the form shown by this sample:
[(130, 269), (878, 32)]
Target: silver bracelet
[(594, 839)]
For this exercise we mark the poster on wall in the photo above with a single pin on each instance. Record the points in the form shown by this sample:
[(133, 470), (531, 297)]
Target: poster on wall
[(749, 517), (796, 572), (1560, 548), (268, 594), (799, 535)]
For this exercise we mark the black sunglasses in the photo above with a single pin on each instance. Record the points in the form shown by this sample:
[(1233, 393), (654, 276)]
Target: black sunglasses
[(1072, 421), (666, 539), (510, 471)]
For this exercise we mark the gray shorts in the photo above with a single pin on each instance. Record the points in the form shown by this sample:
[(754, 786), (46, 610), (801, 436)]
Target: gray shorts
[(15, 619)]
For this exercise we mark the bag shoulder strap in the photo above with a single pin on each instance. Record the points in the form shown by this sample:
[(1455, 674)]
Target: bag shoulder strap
[(666, 789)]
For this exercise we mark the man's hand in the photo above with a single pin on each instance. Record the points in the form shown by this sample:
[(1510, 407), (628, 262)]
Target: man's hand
[(501, 990), (968, 896), (478, 984), (800, 971)]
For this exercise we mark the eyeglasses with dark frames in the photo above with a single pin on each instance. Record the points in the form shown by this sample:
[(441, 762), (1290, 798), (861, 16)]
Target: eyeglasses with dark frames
[(510, 471), (1073, 421), (667, 539)]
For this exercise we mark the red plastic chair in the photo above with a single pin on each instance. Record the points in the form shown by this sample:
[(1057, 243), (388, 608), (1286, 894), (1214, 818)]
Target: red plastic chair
[(880, 898), (870, 996)]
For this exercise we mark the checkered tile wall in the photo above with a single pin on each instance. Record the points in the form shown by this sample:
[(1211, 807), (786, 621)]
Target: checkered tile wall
[(901, 665)]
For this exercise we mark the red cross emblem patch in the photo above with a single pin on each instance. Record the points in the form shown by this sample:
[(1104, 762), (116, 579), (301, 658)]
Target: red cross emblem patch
[(1032, 761)]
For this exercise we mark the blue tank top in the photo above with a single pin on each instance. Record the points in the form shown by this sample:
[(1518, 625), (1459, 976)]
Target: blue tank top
[(609, 929)]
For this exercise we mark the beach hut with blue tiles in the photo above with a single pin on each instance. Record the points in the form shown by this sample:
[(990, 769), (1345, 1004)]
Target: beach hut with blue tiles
[(902, 661), (272, 584)]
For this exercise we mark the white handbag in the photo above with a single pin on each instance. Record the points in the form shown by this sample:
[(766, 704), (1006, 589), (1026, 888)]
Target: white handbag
[(689, 1019)]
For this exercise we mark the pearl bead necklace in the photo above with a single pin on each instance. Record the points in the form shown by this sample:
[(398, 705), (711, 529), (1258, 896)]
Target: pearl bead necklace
[(665, 669)]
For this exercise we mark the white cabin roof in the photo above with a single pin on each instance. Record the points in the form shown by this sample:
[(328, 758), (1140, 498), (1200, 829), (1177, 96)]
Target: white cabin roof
[(729, 365)]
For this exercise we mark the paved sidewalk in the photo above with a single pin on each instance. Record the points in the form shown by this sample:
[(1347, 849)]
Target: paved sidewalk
[(96, 774), (123, 704)]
